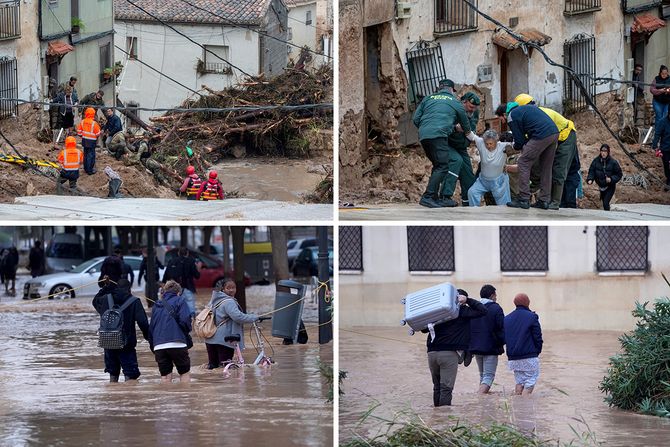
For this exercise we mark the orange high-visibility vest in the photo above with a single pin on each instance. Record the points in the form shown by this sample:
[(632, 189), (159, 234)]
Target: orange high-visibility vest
[(71, 159), (88, 129), (193, 185)]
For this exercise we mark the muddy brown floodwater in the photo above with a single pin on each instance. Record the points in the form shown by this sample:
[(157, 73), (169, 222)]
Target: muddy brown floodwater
[(391, 368), (271, 178), (53, 390)]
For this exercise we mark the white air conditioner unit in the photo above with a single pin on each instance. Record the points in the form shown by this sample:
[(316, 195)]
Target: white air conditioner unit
[(403, 10), (630, 66)]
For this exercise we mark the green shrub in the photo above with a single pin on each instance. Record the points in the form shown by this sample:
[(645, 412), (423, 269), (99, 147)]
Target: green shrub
[(638, 378)]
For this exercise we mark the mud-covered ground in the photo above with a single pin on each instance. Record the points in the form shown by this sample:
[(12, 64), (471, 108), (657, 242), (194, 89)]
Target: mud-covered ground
[(402, 176)]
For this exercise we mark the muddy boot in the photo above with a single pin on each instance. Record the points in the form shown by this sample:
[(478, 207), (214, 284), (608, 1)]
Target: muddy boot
[(113, 379)]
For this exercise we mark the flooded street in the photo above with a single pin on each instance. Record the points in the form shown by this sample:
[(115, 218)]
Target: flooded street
[(388, 367), (271, 179), (53, 390)]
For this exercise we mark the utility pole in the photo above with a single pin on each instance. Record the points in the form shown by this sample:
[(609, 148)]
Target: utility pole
[(152, 289), (325, 327)]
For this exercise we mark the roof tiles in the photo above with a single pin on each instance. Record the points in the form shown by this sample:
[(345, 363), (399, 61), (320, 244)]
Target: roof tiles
[(241, 12)]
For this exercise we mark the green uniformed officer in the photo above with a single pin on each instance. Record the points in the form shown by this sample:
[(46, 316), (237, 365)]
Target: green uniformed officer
[(436, 117), (458, 142)]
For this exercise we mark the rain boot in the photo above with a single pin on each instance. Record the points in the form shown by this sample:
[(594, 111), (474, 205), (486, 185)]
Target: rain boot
[(113, 379)]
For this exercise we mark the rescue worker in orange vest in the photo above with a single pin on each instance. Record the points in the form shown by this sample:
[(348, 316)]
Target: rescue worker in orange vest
[(70, 160), (212, 189), (89, 131), (192, 184)]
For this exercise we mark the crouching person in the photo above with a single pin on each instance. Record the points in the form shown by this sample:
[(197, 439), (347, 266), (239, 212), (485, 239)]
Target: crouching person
[(493, 177), (114, 298), (170, 327)]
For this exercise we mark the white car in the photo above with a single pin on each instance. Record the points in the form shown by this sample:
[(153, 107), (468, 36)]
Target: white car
[(82, 278)]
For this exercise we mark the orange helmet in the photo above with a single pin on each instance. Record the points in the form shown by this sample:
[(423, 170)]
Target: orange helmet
[(213, 174), (190, 170), (70, 143), (90, 112)]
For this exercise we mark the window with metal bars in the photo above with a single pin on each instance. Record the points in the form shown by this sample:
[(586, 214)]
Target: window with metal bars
[(579, 53), (634, 6), (430, 249), (9, 87), (622, 249), (10, 19), (581, 6), (351, 248), (524, 249), (426, 67), (453, 16)]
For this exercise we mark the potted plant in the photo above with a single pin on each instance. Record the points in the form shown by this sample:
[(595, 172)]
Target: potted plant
[(107, 73), (118, 67), (77, 25)]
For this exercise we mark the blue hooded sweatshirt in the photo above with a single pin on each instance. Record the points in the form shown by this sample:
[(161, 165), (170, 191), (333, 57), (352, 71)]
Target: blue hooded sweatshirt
[(164, 327)]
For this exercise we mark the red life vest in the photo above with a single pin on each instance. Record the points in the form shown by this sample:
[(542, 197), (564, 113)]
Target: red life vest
[(194, 185), (211, 191)]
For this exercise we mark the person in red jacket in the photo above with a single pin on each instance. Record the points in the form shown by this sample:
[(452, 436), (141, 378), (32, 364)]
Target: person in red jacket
[(89, 131), (192, 184), (212, 189), (70, 160)]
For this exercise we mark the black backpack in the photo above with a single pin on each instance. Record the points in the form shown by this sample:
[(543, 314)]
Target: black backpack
[(175, 271), (110, 332)]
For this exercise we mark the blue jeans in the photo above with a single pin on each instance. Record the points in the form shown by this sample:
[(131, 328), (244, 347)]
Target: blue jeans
[(189, 297), (499, 187), (89, 155), (125, 358), (660, 112), (487, 365)]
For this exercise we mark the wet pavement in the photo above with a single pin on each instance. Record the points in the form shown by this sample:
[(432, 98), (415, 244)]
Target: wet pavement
[(53, 390), (388, 367)]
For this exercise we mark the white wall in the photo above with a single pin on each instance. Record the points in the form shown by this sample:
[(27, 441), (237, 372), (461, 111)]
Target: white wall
[(571, 295), (303, 34), (174, 55), (26, 50)]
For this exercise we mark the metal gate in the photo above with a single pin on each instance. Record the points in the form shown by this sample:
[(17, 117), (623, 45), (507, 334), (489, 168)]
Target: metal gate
[(426, 67), (9, 87), (579, 53)]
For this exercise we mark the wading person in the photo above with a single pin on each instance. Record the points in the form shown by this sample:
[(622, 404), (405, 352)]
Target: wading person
[(493, 177), (523, 337), (606, 172), (192, 183), (661, 144), (436, 118), (169, 327), (184, 270), (229, 320), (36, 260), (536, 135), (487, 338), (10, 262), (449, 347), (112, 286), (459, 142), (212, 189), (660, 89)]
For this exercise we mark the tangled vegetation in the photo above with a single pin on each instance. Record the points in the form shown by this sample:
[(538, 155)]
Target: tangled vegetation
[(638, 378)]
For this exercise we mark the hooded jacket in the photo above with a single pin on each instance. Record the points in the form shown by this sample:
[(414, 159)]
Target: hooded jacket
[(234, 318), (523, 334), (170, 320), (131, 315), (487, 334), (454, 335), (601, 168)]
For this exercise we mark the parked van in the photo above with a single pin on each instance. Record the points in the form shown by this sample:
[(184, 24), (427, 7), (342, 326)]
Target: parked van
[(64, 251)]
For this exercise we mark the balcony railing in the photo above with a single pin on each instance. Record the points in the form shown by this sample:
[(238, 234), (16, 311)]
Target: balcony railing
[(635, 6), (573, 7), (454, 16), (10, 19), (217, 67)]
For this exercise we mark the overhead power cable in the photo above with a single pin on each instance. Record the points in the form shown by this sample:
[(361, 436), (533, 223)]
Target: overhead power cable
[(575, 77), (156, 70), (185, 36), (226, 21), (194, 109)]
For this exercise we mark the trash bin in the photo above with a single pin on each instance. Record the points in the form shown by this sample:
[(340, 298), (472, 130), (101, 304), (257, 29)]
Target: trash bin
[(286, 322)]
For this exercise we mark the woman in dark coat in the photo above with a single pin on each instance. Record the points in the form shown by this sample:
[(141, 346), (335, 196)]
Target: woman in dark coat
[(606, 172)]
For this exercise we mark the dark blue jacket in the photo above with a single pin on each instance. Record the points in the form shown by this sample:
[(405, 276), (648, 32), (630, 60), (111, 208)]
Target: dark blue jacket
[(454, 335), (113, 125), (662, 134), (523, 334), (529, 122), (487, 334), (164, 327)]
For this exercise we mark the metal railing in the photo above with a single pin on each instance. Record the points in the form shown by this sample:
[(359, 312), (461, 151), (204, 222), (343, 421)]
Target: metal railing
[(9, 87), (581, 6), (351, 248), (217, 67), (453, 16), (10, 19), (426, 67), (524, 249), (430, 249), (622, 248), (579, 54), (634, 6)]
